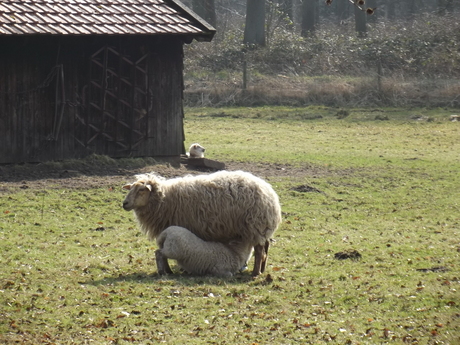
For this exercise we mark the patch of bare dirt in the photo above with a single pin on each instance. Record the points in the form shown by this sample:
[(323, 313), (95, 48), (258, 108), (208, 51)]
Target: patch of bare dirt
[(93, 174), (348, 254)]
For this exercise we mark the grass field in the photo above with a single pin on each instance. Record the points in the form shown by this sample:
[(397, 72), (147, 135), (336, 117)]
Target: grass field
[(383, 184)]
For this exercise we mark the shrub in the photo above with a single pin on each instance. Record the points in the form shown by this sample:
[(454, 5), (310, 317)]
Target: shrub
[(424, 52)]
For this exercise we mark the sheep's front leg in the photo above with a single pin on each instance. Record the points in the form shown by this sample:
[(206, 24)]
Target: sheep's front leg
[(162, 263), (260, 258)]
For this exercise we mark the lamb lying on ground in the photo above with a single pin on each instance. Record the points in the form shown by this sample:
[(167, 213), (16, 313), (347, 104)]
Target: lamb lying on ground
[(223, 207), (199, 257), (196, 151)]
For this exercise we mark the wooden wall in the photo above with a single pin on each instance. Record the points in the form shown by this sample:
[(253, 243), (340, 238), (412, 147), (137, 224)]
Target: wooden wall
[(67, 97)]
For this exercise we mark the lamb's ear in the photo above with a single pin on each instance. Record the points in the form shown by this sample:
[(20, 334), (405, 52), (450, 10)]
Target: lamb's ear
[(127, 186), (149, 187)]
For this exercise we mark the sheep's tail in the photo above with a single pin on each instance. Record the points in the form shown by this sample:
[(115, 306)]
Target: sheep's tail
[(161, 240)]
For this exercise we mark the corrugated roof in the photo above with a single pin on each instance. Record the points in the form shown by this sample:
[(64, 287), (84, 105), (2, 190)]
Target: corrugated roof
[(100, 17)]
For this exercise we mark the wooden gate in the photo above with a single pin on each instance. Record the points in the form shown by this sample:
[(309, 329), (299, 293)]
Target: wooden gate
[(116, 121)]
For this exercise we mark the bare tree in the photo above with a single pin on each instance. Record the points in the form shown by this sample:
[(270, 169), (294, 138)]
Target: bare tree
[(360, 22), (309, 8), (342, 11), (390, 6), (254, 30), (205, 9), (445, 6)]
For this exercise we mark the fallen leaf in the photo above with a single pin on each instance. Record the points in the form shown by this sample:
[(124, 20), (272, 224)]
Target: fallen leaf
[(386, 333)]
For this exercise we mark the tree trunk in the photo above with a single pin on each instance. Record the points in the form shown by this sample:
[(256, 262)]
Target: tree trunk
[(308, 17), (445, 6), (254, 30), (390, 9), (360, 22), (342, 11), (412, 10), (206, 10)]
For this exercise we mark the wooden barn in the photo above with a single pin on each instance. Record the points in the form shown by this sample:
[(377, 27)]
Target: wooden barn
[(93, 76)]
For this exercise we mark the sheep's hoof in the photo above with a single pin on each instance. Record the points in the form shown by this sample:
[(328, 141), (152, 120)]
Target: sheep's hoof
[(162, 263)]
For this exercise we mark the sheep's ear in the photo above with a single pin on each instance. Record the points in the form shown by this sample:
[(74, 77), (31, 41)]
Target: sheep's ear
[(127, 186), (149, 187)]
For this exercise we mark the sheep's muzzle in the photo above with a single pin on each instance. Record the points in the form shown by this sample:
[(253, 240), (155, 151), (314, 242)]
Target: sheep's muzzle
[(127, 206)]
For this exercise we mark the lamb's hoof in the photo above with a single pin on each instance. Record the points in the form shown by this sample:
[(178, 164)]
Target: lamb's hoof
[(162, 263)]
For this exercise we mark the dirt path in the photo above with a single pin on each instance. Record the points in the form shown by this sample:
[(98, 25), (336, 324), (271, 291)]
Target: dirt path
[(86, 175)]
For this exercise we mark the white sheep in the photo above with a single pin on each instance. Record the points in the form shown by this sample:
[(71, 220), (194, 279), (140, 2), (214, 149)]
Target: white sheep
[(200, 257), (196, 151), (222, 207)]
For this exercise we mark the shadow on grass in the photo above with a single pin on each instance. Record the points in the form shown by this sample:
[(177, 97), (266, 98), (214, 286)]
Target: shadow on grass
[(93, 165), (176, 278)]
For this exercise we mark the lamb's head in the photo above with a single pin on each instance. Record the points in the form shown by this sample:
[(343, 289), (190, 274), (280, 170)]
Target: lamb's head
[(139, 194), (196, 151)]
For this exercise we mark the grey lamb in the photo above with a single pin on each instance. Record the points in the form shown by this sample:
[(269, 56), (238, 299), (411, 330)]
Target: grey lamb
[(200, 257)]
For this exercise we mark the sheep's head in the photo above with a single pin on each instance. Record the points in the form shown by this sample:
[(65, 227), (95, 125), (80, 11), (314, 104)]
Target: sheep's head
[(196, 151), (138, 196)]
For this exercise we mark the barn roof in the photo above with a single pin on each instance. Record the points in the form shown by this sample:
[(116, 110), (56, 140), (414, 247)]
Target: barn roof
[(101, 17)]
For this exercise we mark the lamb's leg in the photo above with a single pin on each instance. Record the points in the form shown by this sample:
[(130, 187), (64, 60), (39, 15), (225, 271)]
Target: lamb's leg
[(265, 257), (259, 259), (162, 263)]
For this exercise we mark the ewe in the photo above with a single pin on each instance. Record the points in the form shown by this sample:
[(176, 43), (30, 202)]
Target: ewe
[(221, 207), (199, 257)]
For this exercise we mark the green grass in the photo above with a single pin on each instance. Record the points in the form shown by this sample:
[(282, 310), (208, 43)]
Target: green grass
[(75, 268)]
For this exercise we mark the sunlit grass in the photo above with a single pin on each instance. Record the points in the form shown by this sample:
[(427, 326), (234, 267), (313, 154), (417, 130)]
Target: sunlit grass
[(75, 268)]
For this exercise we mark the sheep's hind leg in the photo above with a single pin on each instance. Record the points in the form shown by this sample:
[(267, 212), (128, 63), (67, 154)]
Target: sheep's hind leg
[(260, 258), (162, 263), (265, 257)]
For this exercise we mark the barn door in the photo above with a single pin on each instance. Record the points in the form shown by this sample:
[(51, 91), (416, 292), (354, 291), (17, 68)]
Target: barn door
[(117, 107)]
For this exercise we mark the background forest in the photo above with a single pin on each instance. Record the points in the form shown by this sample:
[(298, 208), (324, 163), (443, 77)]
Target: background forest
[(406, 53)]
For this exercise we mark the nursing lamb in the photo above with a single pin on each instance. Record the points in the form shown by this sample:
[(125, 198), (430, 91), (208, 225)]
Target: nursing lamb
[(222, 207), (200, 257)]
